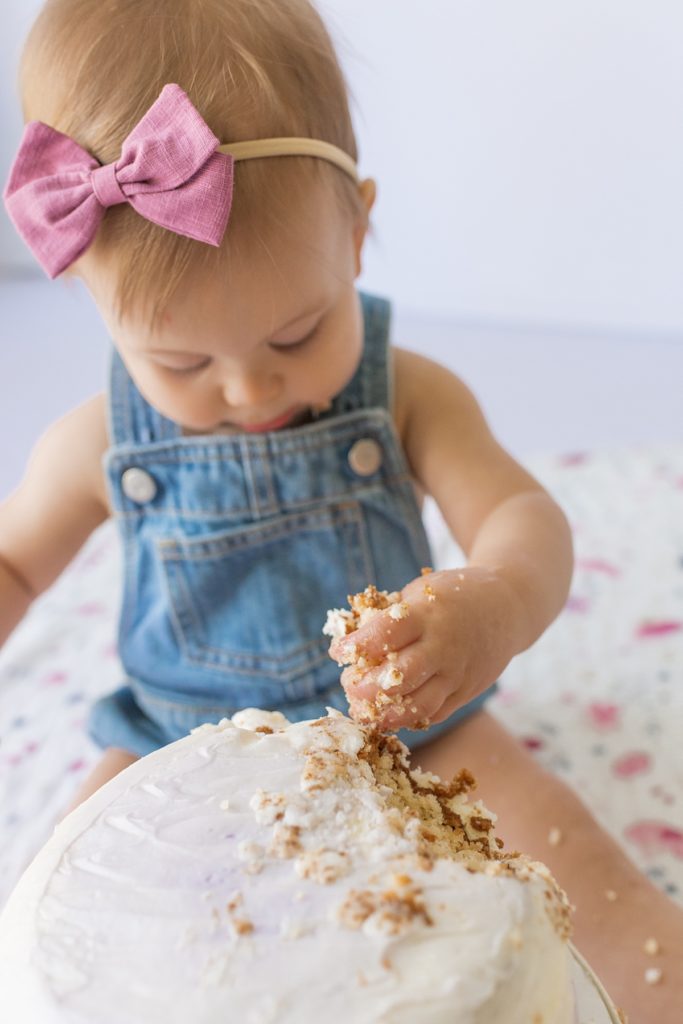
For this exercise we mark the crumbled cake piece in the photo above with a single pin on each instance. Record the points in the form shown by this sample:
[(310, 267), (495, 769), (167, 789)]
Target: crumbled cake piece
[(286, 841), (555, 836), (324, 866), (398, 611), (364, 606), (390, 677), (384, 912), (653, 975), (268, 807), (651, 946), (339, 622), (249, 851)]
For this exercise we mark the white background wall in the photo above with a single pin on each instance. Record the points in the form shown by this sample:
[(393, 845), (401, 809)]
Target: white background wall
[(529, 155)]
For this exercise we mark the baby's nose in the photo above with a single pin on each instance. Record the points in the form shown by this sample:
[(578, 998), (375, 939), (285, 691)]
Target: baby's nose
[(245, 388)]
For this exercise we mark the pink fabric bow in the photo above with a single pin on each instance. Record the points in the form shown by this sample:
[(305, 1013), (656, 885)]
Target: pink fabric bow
[(169, 172)]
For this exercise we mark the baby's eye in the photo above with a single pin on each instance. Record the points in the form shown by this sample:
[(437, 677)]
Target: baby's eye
[(289, 346), (185, 369)]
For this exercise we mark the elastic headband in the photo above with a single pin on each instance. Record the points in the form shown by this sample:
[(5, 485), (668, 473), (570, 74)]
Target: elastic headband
[(292, 147)]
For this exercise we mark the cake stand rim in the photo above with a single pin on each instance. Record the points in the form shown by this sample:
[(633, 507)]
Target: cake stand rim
[(595, 981)]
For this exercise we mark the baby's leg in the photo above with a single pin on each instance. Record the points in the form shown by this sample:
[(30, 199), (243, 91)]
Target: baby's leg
[(113, 761), (617, 907)]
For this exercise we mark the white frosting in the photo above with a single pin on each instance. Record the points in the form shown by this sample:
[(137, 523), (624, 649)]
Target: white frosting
[(216, 880)]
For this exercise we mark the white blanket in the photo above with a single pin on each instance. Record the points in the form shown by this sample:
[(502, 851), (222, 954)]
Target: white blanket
[(599, 699)]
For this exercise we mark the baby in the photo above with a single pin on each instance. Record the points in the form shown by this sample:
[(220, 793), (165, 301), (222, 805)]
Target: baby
[(263, 447)]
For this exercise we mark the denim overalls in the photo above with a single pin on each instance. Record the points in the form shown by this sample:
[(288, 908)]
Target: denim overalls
[(236, 545)]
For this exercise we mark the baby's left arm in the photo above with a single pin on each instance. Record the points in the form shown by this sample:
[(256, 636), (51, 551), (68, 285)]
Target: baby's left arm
[(462, 625)]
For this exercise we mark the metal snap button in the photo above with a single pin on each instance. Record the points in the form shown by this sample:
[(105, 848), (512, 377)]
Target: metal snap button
[(365, 456), (138, 485)]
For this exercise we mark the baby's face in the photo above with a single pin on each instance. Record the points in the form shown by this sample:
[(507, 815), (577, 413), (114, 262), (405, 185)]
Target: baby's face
[(257, 350)]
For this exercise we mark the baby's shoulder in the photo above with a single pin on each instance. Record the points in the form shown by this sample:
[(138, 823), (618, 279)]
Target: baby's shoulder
[(422, 389), (77, 442)]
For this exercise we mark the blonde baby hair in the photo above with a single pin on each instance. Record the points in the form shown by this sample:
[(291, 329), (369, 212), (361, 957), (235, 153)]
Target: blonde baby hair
[(252, 68)]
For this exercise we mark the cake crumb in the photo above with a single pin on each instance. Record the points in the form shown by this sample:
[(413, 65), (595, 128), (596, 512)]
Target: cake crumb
[(398, 611), (555, 836), (322, 866), (425, 570), (242, 926), (234, 901), (653, 975), (651, 946), (610, 895), (429, 591), (285, 842), (253, 867), (390, 677)]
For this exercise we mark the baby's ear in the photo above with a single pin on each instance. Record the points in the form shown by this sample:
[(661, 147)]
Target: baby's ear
[(368, 191)]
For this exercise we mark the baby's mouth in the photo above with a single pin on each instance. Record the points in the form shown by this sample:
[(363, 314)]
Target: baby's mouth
[(290, 418)]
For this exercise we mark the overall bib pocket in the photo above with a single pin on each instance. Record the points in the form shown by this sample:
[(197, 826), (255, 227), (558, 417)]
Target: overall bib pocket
[(252, 599)]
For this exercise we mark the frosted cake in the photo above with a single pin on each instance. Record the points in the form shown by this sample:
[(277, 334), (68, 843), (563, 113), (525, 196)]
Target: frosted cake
[(259, 871)]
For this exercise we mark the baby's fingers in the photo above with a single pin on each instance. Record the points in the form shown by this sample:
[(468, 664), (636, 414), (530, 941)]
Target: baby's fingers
[(382, 634), (395, 711), (400, 673)]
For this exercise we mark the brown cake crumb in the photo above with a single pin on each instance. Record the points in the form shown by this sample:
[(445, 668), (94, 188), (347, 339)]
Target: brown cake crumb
[(323, 866), (234, 902), (285, 842), (242, 926), (268, 807), (425, 570), (392, 912)]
